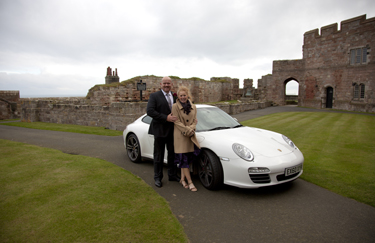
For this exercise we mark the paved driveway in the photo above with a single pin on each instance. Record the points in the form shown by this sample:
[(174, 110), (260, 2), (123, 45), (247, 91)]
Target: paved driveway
[(296, 212)]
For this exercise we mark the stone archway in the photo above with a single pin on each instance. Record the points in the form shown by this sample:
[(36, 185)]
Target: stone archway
[(291, 91)]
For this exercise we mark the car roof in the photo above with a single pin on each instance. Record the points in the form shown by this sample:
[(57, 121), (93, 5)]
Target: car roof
[(204, 106)]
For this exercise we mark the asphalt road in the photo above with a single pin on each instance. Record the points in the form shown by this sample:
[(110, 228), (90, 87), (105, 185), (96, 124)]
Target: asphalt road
[(295, 212)]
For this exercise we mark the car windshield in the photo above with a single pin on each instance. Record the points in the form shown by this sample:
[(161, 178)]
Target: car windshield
[(213, 118), (209, 119)]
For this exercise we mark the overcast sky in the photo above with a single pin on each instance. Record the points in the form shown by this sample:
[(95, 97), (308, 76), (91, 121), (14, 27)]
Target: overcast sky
[(63, 47)]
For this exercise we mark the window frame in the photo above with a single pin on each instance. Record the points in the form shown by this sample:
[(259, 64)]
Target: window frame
[(362, 91), (358, 56), (358, 91)]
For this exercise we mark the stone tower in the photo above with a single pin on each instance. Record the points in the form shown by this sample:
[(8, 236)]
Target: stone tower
[(111, 77)]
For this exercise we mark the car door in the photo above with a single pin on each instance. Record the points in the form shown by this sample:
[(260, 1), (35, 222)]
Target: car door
[(148, 151)]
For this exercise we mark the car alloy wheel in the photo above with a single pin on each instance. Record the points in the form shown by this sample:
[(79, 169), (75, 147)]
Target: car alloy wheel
[(209, 170), (133, 148)]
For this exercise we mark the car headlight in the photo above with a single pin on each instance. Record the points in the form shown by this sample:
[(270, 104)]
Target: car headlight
[(243, 152), (288, 141)]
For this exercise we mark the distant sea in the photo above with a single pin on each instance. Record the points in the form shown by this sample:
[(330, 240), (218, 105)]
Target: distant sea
[(50, 96)]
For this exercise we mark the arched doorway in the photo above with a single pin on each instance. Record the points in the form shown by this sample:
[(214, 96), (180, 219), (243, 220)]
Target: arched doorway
[(291, 91), (329, 97)]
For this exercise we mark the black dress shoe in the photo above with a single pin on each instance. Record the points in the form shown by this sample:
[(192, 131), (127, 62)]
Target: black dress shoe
[(158, 183), (174, 178)]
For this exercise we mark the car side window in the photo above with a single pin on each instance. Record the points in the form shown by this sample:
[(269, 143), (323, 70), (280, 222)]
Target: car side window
[(147, 119)]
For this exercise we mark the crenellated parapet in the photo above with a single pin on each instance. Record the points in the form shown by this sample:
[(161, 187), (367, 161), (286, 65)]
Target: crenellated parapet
[(345, 26), (332, 46)]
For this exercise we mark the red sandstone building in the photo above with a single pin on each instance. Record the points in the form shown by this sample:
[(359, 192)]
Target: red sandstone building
[(337, 69)]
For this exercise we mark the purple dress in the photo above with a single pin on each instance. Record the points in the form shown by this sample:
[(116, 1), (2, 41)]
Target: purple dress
[(182, 159)]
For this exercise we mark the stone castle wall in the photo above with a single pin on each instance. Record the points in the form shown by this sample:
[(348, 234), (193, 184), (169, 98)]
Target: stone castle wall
[(113, 106), (115, 116), (203, 91), (9, 104), (267, 87)]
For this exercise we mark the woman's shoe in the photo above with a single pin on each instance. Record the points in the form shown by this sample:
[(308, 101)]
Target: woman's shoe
[(192, 187), (184, 184)]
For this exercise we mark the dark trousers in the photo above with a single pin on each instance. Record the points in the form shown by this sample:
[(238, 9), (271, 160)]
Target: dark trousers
[(159, 149)]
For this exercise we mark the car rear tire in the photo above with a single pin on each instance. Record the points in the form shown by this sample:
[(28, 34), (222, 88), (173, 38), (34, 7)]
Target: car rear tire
[(133, 148), (209, 170)]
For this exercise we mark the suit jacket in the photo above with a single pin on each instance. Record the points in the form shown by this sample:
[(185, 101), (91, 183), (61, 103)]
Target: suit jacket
[(158, 109)]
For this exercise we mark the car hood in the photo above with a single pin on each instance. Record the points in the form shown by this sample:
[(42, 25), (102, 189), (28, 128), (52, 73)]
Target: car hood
[(259, 141)]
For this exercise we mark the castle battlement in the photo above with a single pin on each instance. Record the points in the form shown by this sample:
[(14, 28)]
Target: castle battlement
[(332, 47), (345, 26)]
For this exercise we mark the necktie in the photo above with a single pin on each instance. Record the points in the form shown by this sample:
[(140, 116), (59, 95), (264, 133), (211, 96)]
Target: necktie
[(169, 101)]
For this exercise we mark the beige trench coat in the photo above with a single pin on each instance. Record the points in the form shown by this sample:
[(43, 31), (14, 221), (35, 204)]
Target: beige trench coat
[(183, 126)]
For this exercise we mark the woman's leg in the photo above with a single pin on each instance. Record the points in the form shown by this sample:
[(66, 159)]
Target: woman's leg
[(183, 176), (187, 174), (188, 177)]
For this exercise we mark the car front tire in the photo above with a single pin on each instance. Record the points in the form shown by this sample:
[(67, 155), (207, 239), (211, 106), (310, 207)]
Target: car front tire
[(209, 170), (133, 148)]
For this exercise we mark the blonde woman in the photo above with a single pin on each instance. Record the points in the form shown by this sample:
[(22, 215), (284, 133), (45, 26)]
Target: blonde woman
[(186, 146)]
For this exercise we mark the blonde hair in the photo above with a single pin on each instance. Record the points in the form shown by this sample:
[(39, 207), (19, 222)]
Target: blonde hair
[(187, 91)]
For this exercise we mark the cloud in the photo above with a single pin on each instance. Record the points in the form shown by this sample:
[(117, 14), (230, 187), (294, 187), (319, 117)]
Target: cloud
[(46, 85), (46, 41)]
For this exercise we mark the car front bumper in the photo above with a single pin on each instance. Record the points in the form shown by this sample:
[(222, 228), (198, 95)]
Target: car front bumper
[(236, 170)]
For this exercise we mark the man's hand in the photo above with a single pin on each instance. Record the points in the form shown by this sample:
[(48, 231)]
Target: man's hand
[(171, 118)]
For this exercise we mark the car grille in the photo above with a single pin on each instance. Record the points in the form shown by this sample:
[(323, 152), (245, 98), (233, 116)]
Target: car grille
[(260, 178), (283, 177)]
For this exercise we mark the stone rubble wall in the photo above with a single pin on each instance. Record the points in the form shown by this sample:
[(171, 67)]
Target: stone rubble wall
[(115, 116), (116, 105), (9, 101), (218, 89)]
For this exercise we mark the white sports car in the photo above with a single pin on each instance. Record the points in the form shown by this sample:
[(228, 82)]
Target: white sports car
[(232, 154)]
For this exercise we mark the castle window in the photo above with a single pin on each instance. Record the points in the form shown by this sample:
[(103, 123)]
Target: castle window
[(356, 91), (358, 56), (359, 91), (362, 94)]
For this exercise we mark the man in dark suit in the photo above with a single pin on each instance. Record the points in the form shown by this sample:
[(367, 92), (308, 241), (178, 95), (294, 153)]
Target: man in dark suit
[(159, 107)]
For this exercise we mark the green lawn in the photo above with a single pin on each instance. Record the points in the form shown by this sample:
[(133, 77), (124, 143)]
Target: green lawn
[(46, 195), (49, 196), (339, 149)]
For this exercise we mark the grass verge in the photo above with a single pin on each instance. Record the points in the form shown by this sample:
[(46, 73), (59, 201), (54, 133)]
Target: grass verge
[(6, 120), (338, 148), (49, 196), (65, 128)]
